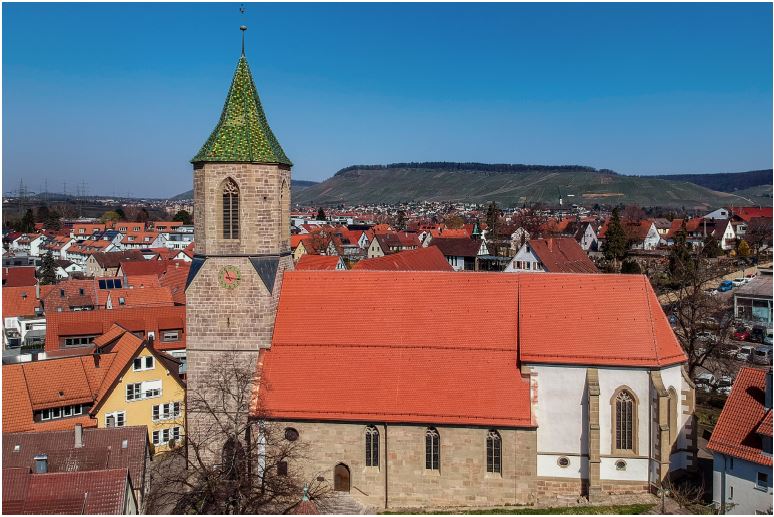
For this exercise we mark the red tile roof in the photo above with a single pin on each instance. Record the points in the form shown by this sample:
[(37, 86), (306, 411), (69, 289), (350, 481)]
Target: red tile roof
[(147, 319), (750, 212), (147, 267), (318, 263), (735, 434), (143, 281), (20, 276), (100, 492), (421, 259), (562, 255), (457, 247), (594, 319), (19, 301)]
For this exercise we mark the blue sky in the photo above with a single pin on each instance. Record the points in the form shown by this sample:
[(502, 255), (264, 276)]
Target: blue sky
[(121, 96)]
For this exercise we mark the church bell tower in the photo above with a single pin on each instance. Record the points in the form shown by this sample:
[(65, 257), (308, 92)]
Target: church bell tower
[(242, 233)]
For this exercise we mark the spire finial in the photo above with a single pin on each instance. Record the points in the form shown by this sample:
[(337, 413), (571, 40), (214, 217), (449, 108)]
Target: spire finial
[(243, 28)]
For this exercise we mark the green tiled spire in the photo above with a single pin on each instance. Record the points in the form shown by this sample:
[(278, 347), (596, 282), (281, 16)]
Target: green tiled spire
[(242, 133)]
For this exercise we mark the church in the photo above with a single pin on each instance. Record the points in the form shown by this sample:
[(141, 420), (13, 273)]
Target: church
[(420, 389)]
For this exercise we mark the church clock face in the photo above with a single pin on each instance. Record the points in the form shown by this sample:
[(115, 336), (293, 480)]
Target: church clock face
[(229, 277)]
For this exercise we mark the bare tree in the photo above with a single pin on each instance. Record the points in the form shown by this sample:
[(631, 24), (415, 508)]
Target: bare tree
[(703, 320), (531, 219), (234, 459), (758, 234)]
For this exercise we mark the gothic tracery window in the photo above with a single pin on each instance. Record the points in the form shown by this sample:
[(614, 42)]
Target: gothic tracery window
[(432, 449), (493, 452), (230, 209), (372, 446), (624, 421)]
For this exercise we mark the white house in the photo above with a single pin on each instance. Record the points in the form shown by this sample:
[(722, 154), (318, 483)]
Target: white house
[(66, 268), (29, 243), (720, 213), (555, 255), (741, 447), (587, 237)]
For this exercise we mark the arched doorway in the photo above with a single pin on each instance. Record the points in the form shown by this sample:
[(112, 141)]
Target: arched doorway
[(341, 478)]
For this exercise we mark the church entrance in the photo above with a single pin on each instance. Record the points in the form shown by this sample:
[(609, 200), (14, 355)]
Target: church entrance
[(341, 478)]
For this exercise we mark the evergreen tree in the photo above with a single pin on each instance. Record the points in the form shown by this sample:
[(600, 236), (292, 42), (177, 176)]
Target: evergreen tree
[(183, 216), (744, 249), (400, 220), (142, 216), (492, 214), (27, 223), (616, 240), (711, 248), (47, 272), (321, 214), (42, 214), (681, 263), (631, 267), (121, 213)]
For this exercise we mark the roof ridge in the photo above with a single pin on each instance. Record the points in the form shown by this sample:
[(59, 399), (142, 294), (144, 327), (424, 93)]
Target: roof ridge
[(650, 319)]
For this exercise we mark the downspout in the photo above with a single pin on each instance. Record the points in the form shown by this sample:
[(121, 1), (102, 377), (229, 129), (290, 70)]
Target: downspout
[(386, 469)]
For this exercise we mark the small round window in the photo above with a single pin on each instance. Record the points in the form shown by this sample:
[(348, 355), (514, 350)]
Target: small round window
[(620, 465), (291, 434), (563, 462)]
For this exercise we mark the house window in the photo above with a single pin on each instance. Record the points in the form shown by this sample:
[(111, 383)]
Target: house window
[(432, 449), (164, 436), (493, 452), (166, 411), (78, 340), (291, 434), (115, 419), (143, 363), (624, 415), (372, 446), (230, 210), (170, 335), (61, 412), (762, 481), (134, 391)]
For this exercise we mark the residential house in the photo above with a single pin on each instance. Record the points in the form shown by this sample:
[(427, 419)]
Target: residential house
[(586, 237), (421, 259), (321, 263), (392, 242), (560, 255), (741, 447), (462, 254), (23, 322), (107, 264), (58, 246), (28, 243), (89, 453), (137, 240), (123, 381), (85, 230), (19, 276)]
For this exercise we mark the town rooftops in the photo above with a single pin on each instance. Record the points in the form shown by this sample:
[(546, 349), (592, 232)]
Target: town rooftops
[(417, 352), (242, 133), (743, 419), (318, 262), (456, 247), (750, 212), (102, 492), (114, 259), (19, 276), (19, 301), (562, 255), (760, 286), (420, 259)]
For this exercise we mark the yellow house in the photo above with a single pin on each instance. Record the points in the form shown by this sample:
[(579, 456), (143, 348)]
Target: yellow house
[(142, 386)]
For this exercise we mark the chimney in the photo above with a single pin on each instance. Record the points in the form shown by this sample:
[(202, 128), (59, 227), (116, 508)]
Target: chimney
[(767, 403), (78, 436), (41, 464)]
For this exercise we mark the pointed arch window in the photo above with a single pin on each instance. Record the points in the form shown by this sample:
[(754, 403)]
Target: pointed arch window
[(624, 421), (432, 449), (230, 209), (494, 452), (372, 446)]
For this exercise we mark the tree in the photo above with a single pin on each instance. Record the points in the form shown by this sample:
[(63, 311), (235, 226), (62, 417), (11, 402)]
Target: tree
[(321, 215), (47, 271), (41, 214), (142, 216), (27, 222), (183, 216), (53, 221), (681, 262), (121, 214), (711, 248), (743, 249), (110, 215), (616, 242), (453, 221), (758, 234), (400, 220), (492, 219), (235, 462), (530, 219), (703, 322), (631, 267), (633, 213)]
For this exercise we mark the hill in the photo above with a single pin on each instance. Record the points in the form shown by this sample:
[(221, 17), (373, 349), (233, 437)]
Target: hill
[(509, 185), (724, 181), (295, 185)]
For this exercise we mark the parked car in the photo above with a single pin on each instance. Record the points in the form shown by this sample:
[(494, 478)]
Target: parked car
[(711, 291), (767, 339), (762, 355), (738, 282), (741, 334), (730, 351), (725, 285), (723, 386), (705, 382), (758, 334), (705, 335), (750, 276), (745, 353)]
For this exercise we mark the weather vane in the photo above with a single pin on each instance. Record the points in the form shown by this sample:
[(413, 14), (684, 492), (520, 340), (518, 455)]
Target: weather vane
[(243, 28)]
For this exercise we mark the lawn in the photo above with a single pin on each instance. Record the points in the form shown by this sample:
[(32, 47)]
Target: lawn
[(629, 509)]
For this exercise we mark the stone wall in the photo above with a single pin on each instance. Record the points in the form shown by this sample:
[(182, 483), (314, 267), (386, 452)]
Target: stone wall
[(401, 480)]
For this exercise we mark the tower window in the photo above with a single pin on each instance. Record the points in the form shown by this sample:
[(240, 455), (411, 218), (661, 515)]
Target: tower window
[(372, 446), (230, 210), (624, 420)]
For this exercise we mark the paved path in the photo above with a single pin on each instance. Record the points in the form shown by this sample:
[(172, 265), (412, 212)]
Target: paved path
[(673, 296)]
